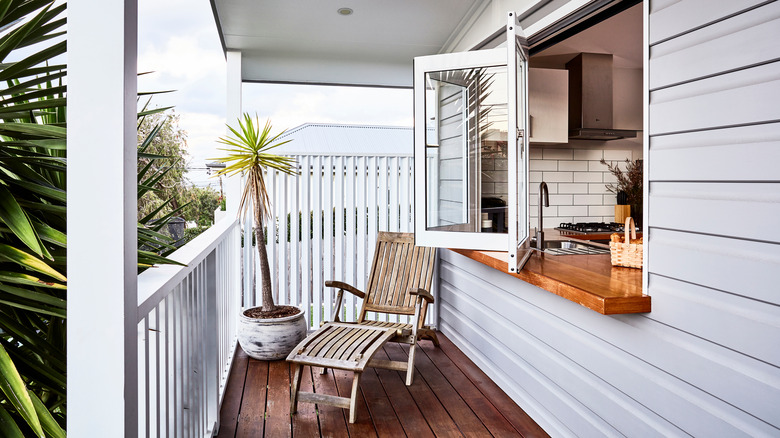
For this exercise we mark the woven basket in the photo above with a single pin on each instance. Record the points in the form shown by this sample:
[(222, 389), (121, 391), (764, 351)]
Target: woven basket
[(625, 253)]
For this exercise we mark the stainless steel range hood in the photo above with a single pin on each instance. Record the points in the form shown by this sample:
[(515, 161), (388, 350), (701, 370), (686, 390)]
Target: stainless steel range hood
[(590, 99)]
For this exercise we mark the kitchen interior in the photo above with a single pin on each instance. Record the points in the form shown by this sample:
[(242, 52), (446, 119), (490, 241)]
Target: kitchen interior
[(586, 113), (585, 104)]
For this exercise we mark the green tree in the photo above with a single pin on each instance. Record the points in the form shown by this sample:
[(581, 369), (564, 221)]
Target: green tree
[(170, 143), (201, 203)]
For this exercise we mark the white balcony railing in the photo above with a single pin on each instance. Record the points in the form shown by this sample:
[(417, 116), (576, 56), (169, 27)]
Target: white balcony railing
[(324, 226), (187, 335)]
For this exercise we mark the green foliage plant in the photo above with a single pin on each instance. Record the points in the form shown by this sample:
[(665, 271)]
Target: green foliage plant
[(248, 154)]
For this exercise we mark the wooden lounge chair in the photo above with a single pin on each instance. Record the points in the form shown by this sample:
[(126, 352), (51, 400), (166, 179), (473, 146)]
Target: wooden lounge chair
[(399, 283)]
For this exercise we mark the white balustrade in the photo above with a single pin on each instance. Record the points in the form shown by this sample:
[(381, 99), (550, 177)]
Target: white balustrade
[(325, 223), (187, 334)]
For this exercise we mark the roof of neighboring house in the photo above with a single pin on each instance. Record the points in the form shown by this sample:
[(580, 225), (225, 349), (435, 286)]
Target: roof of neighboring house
[(341, 139)]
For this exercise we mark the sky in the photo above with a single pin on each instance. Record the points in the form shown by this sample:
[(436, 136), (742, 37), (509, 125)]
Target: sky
[(179, 43)]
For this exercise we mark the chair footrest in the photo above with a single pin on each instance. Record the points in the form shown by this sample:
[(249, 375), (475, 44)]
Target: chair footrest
[(332, 400), (388, 364)]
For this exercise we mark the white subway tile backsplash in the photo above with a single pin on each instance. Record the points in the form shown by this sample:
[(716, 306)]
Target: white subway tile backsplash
[(577, 166), (561, 177), (610, 155), (548, 165), (576, 182), (557, 154), (588, 154), (587, 177), (588, 200), (561, 199), (552, 188), (573, 188), (609, 178), (601, 210), (573, 210)]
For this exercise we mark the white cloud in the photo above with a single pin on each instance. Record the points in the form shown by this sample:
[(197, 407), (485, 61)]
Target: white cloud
[(178, 40)]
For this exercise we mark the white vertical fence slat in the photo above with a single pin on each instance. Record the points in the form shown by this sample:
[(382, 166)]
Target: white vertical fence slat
[(294, 231), (362, 226), (329, 232), (283, 262), (350, 208), (332, 211), (306, 239), (317, 243), (270, 226)]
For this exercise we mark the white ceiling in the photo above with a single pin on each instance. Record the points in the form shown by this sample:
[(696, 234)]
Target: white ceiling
[(620, 35), (305, 41)]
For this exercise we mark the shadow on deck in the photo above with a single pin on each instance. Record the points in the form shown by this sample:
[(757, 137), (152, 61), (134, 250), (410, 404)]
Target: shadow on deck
[(450, 396)]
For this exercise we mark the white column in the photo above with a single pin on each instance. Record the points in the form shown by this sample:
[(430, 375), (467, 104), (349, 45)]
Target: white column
[(102, 273), (233, 112), (234, 184)]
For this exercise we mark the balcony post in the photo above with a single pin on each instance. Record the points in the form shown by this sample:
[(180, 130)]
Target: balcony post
[(102, 238)]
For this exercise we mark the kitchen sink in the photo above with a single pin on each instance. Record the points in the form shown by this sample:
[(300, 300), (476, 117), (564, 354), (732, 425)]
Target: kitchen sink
[(570, 247)]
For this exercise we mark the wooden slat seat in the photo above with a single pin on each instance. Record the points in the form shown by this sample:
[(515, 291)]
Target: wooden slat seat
[(399, 283)]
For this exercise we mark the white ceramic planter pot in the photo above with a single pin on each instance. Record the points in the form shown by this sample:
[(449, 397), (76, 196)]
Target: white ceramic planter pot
[(273, 338)]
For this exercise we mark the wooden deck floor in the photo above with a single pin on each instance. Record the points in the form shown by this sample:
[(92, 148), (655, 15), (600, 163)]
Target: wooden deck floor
[(450, 396)]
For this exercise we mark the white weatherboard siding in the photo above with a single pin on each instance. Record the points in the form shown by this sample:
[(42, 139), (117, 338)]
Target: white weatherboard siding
[(706, 361)]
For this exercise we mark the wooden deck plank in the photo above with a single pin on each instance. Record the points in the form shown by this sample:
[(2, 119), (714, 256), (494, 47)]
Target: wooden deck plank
[(362, 427), (333, 422), (252, 414), (305, 422), (482, 406), (511, 411), (412, 420), (382, 414), (432, 409), (450, 396), (234, 393), (468, 422), (277, 419)]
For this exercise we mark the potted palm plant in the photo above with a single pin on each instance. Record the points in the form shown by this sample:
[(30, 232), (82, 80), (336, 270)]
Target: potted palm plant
[(266, 332)]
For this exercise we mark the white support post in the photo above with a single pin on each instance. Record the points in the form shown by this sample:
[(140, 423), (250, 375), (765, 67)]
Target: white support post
[(234, 184), (102, 236)]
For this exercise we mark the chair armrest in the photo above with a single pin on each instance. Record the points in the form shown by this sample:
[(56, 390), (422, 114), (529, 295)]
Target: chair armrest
[(422, 293), (344, 286)]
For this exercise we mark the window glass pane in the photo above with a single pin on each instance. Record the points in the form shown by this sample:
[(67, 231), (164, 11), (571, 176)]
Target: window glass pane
[(466, 150)]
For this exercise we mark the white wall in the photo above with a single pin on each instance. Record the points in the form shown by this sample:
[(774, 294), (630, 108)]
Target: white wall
[(706, 360)]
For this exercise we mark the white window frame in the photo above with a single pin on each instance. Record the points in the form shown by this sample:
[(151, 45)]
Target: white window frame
[(515, 241)]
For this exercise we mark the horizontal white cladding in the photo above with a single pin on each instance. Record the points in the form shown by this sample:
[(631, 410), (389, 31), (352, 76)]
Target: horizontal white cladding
[(740, 267), (710, 155), (747, 39), (737, 98), (670, 18), (747, 211)]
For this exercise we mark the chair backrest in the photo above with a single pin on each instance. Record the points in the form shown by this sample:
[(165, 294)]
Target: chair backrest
[(398, 266)]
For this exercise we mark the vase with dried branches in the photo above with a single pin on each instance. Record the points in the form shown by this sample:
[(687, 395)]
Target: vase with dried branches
[(629, 181)]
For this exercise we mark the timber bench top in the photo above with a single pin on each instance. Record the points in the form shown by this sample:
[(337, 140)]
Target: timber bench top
[(589, 280)]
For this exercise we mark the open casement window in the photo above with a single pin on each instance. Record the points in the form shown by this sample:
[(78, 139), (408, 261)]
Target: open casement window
[(471, 149)]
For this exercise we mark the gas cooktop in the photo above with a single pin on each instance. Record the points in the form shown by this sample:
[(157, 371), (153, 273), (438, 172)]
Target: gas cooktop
[(590, 228)]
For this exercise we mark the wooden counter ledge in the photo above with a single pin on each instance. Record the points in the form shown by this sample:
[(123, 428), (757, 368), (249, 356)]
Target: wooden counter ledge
[(589, 280)]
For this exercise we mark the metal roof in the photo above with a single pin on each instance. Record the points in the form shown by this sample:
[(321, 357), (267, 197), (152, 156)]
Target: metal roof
[(343, 139)]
